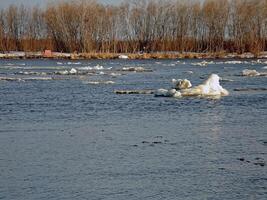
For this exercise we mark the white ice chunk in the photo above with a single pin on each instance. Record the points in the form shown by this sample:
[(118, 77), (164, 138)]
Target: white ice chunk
[(211, 87)]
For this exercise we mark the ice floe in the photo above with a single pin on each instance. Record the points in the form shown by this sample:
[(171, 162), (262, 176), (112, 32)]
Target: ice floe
[(65, 72), (113, 74), (259, 61), (234, 62), (32, 73), (167, 93), (134, 91), (189, 72), (26, 79), (211, 87), (203, 63), (74, 63), (123, 57), (99, 82), (10, 79), (73, 71), (250, 72), (181, 84), (136, 69), (97, 67), (37, 79)]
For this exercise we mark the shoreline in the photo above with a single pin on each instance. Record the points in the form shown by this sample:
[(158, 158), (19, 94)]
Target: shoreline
[(130, 56)]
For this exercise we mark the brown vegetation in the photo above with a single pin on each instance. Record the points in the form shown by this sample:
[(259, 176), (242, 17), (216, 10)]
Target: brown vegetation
[(135, 26)]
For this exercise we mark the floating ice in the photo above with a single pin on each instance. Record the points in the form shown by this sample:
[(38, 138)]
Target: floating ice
[(189, 72), (88, 68), (233, 62), (250, 72), (211, 87), (123, 57), (32, 73), (115, 74), (203, 63), (167, 93), (134, 91), (25, 79), (99, 82), (181, 84), (65, 72), (37, 78), (73, 71), (135, 69), (73, 63), (10, 79), (259, 61), (98, 67)]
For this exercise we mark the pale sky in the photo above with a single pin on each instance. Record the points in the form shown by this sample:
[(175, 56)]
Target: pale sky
[(6, 3)]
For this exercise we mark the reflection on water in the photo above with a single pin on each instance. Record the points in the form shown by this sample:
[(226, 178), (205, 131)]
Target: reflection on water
[(63, 139)]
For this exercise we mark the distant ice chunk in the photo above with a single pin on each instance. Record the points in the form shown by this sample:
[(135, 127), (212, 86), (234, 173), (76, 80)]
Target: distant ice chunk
[(73, 71), (38, 78), (189, 72), (65, 72), (234, 62), (250, 72), (203, 63), (167, 93), (181, 84), (115, 74), (123, 57), (99, 82), (88, 68), (73, 63), (135, 69)]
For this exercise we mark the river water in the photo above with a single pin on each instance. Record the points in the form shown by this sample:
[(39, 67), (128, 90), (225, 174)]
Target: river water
[(68, 137)]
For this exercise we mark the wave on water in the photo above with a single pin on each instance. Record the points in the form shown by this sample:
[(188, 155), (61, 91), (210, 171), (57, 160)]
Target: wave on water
[(250, 89)]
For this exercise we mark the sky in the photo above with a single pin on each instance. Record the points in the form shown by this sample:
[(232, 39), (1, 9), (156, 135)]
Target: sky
[(6, 3)]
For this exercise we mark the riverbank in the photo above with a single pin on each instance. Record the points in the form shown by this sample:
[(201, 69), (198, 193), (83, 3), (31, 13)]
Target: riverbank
[(138, 56)]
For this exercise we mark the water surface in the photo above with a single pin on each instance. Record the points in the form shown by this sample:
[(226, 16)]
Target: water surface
[(67, 139)]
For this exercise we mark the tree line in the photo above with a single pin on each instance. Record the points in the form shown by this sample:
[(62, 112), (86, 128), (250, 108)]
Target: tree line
[(136, 26)]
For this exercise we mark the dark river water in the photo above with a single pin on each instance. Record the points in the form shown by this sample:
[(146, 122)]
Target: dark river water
[(67, 137)]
